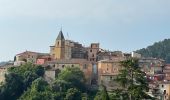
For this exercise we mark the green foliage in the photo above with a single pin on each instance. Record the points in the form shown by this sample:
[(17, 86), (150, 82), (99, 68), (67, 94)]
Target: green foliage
[(12, 88), (39, 90), (26, 83), (132, 81), (27, 67), (18, 80), (158, 50), (73, 94), (29, 72), (74, 77), (103, 94)]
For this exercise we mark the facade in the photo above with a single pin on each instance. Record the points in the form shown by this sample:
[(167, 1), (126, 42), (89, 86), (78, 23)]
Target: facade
[(3, 71), (67, 49), (166, 71), (42, 59), (160, 90), (84, 65), (31, 57), (108, 55), (136, 55), (93, 51), (153, 68), (108, 69)]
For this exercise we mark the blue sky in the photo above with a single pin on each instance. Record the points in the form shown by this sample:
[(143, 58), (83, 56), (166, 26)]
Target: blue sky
[(125, 25)]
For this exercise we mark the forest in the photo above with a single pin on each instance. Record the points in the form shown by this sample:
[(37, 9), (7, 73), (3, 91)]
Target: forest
[(157, 50)]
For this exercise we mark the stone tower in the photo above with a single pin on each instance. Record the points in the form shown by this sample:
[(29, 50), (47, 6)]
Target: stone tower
[(92, 52), (59, 46)]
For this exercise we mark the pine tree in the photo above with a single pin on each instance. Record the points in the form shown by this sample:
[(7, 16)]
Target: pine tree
[(132, 80)]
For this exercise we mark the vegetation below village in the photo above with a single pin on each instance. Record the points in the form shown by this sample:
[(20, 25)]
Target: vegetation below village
[(26, 82), (157, 50)]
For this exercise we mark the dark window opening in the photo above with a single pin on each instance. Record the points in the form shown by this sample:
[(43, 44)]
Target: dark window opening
[(92, 55), (111, 77), (164, 91), (58, 43), (107, 69), (63, 66)]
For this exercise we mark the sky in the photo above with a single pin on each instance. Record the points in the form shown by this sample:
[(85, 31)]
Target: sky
[(125, 25)]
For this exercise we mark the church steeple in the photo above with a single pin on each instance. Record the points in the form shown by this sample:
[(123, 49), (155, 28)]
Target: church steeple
[(59, 48), (60, 36)]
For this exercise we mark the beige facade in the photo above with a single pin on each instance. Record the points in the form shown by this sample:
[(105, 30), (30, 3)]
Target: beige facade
[(165, 90), (26, 56), (160, 90), (3, 71), (67, 49), (107, 72)]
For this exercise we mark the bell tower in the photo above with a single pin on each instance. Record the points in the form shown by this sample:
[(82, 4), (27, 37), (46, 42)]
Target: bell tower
[(59, 47)]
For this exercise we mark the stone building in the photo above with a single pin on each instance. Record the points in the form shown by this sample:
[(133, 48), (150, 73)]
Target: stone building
[(153, 68), (93, 51), (160, 90), (29, 57), (83, 64), (3, 71), (67, 49), (166, 71), (109, 67), (107, 72)]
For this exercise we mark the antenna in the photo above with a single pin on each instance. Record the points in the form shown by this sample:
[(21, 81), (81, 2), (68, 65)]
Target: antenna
[(67, 35)]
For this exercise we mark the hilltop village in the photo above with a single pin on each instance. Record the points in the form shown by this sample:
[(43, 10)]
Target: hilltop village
[(99, 65)]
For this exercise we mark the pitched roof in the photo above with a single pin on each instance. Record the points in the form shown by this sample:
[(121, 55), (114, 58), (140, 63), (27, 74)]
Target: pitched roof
[(60, 36)]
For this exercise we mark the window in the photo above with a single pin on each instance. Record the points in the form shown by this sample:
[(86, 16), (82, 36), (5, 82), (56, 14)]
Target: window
[(58, 43), (111, 77), (164, 91), (91, 50), (63, 66), (72, 65), (92, 55), (107, 69), (85, 66), (162, 86)]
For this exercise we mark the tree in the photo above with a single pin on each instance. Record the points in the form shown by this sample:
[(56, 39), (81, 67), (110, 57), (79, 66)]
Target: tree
[(38, 70), (73, 94), (157, 50), (28, 72), (12, 88), (18, 80), (39, 90), (103, 94), (132, 80), (74, 77)]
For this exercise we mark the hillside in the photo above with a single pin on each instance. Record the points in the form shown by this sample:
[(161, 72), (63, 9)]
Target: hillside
[(158, 50)]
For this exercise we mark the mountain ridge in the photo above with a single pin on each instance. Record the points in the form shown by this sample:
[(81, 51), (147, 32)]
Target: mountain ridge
[(159, 49)]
